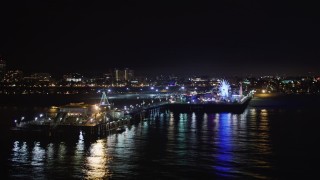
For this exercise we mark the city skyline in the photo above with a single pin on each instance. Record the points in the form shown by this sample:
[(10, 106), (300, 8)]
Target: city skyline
[(218, 39)]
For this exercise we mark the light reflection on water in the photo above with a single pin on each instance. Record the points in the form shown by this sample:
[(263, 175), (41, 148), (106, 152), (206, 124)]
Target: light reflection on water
[(173, 145), (224, 145), (97, 161), (208, 137)]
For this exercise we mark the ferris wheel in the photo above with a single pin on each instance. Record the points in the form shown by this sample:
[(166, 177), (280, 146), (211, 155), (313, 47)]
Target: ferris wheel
[(224, 89)]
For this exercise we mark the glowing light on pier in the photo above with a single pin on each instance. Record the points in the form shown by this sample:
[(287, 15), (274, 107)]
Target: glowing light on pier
[(224, 89), (96, 107)]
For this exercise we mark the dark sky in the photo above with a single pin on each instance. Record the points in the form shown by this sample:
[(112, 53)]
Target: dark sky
[(227, 38)]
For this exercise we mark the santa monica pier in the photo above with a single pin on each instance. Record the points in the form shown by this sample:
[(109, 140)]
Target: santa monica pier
[(104, 117)]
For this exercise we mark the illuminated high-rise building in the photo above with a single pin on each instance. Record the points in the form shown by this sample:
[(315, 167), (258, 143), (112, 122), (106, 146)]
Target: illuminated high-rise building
[(119, 75), (123, 76), (128, 74)]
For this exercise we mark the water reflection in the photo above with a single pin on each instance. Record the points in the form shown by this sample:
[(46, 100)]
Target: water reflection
[(24, 156), (224, 144), (220, 144), (38, 158), (97, 161)]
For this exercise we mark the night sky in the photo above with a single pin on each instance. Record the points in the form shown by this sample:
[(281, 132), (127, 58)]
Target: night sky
[(184, 38)]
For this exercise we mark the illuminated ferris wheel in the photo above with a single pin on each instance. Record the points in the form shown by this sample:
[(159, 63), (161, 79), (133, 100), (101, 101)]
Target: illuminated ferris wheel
[(224, 89)]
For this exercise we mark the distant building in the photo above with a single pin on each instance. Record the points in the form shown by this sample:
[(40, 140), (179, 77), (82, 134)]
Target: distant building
[(123, 75), (38, 78), (119, 75), (198, 81), (2, 68), (128, 74), (13, 76), (73, 77), (42, 77), (107, 76)]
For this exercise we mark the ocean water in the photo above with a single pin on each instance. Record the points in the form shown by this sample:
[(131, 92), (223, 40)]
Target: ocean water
[(274, 138)]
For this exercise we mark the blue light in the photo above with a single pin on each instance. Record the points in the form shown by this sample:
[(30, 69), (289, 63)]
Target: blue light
[(224, 145), (224, 88)]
